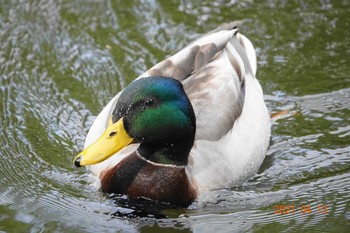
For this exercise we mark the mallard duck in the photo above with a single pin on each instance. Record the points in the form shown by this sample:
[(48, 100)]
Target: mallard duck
[(193, 123)]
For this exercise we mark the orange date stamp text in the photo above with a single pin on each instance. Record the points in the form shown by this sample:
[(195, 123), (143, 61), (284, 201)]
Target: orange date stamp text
[(304, 209)]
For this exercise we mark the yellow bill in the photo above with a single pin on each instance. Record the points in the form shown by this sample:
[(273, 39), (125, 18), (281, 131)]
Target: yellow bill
[(112, 140)]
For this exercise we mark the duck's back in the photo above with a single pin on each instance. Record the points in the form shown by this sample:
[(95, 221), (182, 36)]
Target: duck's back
[(212, 73)]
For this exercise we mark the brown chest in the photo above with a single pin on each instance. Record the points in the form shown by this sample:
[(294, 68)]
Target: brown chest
[(137, 177)]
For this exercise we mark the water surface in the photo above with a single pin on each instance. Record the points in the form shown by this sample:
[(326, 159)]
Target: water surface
[(62, 61)]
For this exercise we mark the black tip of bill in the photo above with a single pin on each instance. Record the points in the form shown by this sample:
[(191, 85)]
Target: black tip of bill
[(77, 162)]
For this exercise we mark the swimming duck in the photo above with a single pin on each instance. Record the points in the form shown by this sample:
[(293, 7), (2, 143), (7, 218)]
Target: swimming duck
[(193, 123)]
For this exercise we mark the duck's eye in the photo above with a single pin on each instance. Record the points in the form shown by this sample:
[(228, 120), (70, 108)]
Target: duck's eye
[(150, 102)]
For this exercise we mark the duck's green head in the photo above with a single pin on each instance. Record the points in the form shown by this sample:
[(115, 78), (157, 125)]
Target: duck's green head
[(153, 111)]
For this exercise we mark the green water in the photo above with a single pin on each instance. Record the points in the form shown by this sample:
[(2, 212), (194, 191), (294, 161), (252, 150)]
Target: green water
[(62, 61)]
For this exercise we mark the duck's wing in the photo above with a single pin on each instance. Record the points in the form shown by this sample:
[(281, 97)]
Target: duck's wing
[(240, 151)]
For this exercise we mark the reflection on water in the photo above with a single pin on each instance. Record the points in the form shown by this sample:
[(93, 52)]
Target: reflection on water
[(61, 62)]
